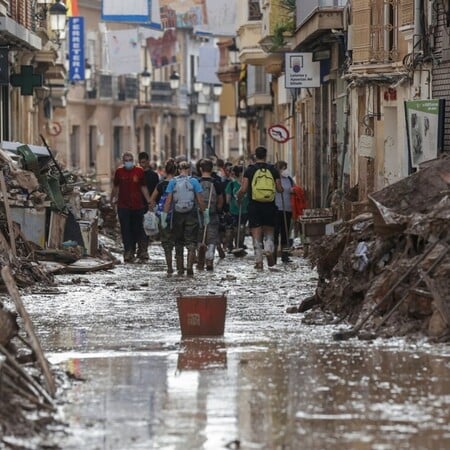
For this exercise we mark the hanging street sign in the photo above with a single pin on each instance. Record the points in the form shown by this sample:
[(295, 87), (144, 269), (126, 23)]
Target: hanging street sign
[(301, 71), (279, 133), (76, 49)]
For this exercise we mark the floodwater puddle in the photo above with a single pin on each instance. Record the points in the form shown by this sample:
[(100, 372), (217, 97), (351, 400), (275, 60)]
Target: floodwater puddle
[(270, 382)]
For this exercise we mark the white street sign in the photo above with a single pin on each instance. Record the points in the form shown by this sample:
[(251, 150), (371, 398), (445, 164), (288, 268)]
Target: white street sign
[(301, 71)]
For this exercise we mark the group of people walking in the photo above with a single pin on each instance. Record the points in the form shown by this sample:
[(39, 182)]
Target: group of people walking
[(204, 211)]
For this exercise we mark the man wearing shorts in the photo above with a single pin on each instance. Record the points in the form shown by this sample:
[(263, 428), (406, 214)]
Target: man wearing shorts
[(261, 214)]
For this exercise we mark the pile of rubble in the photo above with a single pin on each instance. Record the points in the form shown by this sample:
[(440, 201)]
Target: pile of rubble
[(27, 384), (387, 271), (49, 218)]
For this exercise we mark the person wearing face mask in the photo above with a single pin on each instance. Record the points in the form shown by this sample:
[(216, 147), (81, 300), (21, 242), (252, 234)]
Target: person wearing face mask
[(129, 193), (284, 213)]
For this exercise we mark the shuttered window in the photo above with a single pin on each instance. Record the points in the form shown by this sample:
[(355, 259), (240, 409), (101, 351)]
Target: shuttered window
[(361, 33), (375, 25), (407, 12)]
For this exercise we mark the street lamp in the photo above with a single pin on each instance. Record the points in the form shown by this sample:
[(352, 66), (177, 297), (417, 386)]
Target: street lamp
[(145, 79), (58, 13), (175, 80), (217, 90)]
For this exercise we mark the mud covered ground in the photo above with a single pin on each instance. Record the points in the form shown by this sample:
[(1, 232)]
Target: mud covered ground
[(272, 381)]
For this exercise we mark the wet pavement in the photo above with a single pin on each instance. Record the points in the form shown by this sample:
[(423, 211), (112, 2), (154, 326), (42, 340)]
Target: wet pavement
[(270, 382)]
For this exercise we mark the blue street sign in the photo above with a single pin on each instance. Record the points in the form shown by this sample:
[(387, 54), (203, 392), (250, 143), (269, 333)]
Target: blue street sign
[(76, 49)]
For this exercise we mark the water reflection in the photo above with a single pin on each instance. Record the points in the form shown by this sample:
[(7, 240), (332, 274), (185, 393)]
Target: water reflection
[(270, 382), (202, 353)]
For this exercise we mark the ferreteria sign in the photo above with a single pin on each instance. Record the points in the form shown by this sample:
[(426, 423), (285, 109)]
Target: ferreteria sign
[(301, 71)]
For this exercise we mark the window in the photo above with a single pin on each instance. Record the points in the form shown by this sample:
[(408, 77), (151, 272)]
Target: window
[(254, 10), (117, 143)]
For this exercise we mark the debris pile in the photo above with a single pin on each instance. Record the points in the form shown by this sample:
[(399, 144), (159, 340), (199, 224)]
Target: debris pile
[(27, 385), (388, 271), (49, 218)]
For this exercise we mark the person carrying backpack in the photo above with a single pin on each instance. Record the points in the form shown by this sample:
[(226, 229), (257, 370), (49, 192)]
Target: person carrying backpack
[(158, 200), (284, 213), (213, 200), (261, 180), (184, 200)]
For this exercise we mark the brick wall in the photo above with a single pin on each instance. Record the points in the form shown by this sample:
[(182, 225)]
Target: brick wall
[(20, 11)]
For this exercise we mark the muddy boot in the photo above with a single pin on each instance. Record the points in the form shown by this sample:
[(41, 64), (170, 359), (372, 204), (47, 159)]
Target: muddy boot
[(285, 257), (180, 262), (220, 251), (201, 257), (275, 255), (229, 238), (210, 264), (128, 256), (142, 251), (168, 255), (190, 262)]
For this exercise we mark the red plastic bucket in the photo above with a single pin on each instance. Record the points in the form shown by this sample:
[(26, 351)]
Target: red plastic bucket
[(202, 315)]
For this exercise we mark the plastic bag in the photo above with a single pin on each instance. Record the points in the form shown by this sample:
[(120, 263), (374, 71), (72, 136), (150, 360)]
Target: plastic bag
[(150, 223)]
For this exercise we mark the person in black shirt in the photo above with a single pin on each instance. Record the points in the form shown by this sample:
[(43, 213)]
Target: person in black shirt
[(151, 180)]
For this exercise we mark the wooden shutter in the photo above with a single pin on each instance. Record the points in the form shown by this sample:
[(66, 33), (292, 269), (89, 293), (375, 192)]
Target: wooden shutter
[(361, 16), (406, 12)]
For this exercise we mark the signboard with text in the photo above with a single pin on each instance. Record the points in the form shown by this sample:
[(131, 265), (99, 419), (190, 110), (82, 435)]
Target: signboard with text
[(425, 129), (76, 49), (301, 71)]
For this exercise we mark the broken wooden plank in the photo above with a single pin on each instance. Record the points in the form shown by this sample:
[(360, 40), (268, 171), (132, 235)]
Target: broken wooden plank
[(12, 238), (28, 326)]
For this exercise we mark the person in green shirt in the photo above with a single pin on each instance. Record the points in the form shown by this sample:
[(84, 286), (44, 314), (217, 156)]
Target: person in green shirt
[(235, 208)]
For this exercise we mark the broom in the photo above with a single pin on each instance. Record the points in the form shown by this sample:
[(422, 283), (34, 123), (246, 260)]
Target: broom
[(239, 251), (203, 247)]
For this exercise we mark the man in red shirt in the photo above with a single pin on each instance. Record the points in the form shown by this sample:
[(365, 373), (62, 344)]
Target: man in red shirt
[(129, 191)]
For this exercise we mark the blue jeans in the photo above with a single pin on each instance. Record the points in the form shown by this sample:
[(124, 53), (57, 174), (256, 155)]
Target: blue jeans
[(131, 227)]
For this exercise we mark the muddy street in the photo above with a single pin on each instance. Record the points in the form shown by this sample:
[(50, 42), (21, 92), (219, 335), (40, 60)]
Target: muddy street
[(271, 382)]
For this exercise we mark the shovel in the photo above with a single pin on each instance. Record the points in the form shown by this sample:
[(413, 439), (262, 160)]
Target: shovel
[(202, 248), (239, 251)]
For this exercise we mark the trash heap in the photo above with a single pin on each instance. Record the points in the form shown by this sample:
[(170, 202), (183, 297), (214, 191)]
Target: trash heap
[(49, 218), (387, 271)]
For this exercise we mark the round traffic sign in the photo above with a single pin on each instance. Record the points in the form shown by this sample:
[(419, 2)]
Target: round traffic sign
[(279, 133)]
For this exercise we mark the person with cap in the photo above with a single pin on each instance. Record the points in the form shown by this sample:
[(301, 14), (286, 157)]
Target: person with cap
[(184, 201), (129, 193)]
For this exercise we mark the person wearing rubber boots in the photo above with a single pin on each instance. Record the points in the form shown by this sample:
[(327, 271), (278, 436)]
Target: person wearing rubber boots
[(261, 180), (185, 201)]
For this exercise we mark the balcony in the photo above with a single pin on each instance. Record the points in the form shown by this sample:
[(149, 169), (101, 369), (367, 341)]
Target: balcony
[(229, 67), (249, 36), (316, 18)]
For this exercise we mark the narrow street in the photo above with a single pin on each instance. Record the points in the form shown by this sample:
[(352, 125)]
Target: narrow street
[(270, 382)]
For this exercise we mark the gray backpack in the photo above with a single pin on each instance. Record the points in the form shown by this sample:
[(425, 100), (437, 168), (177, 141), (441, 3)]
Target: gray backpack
[(183, 195)]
